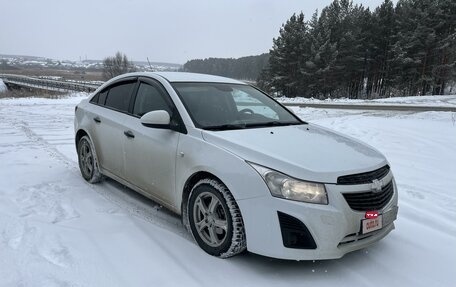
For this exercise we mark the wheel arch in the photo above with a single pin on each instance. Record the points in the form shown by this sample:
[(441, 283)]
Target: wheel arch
[(79, 134), (191, 181)]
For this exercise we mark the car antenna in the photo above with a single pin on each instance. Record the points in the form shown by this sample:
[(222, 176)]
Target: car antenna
[(150, 66)]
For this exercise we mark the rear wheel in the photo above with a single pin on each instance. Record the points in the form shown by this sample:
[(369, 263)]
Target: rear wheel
[(215, 220), (87, 159)]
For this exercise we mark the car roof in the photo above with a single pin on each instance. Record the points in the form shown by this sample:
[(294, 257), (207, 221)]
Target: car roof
[(174, 77)]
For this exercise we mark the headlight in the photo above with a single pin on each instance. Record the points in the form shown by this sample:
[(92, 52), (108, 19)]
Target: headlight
[(281, 185)]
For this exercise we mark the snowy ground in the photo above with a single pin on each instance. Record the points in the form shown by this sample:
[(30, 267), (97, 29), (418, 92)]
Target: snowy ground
[(432, 101), (57, 230)]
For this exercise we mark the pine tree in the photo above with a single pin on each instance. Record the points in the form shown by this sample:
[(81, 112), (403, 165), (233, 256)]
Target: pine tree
[(348, 51), (324, 55), (444, 69), (286, 54)]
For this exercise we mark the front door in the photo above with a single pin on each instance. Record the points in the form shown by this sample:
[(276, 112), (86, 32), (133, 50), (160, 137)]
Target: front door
[(150, 153)]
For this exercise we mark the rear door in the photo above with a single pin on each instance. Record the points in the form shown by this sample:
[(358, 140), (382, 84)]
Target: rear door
[(150, 153), (109, 118)]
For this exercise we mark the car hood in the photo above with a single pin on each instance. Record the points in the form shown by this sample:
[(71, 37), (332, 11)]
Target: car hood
[(307, 151)]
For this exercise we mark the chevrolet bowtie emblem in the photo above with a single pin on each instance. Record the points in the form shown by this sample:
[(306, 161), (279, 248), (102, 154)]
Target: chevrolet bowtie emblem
[(376, 185)]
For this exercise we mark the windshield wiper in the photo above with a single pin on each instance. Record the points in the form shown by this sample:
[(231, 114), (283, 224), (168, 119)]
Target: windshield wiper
[(273, 124), (225, 127), (251, 125)]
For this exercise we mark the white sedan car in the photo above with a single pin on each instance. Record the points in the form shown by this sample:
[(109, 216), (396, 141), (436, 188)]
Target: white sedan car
[(241, 169)]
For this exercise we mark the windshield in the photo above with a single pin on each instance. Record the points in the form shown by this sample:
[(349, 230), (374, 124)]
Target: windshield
[(218, 106)]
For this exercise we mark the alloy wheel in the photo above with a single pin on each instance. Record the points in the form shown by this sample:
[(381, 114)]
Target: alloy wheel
[(210, 219), (86, 159)]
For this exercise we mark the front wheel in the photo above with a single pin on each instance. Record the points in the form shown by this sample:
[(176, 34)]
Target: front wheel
[(87, 159), (215, 220)]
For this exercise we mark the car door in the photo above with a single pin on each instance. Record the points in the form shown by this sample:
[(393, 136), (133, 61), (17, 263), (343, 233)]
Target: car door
[(150, 153), (109, 115)]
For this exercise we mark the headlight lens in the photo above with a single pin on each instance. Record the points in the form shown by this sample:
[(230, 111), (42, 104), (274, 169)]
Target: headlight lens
[(281, 185)]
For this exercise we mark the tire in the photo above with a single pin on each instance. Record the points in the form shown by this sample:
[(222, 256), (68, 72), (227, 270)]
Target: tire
[(88, 163), (214, 219)]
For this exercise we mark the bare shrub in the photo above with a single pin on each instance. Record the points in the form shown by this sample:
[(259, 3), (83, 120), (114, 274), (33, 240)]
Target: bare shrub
[(117, 65)]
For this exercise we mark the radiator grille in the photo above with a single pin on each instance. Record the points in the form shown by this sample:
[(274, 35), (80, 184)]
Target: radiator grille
[(365, 177), (364, 201)]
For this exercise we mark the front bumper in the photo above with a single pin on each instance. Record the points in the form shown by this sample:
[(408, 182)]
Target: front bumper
[(334, 227)]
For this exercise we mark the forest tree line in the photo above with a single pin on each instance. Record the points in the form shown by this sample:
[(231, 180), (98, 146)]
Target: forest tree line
[(245, 68), (350, 51)]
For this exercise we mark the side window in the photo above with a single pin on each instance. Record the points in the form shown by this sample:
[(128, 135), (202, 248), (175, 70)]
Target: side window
[(149, 98), (102, 98), (119, 97), (99, 98), (95, 98)]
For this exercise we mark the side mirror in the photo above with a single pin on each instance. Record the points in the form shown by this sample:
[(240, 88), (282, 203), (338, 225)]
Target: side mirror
[(156, 119)]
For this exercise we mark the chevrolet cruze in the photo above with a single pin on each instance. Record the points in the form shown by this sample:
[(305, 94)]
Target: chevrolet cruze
[(241, 169)]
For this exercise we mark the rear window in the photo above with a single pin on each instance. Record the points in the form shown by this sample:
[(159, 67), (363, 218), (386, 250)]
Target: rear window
[(99, 98), (102, 97), (119, 97)]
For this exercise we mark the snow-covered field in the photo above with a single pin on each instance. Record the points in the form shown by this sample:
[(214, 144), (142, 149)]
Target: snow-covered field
[(431, 101), (57, 230)]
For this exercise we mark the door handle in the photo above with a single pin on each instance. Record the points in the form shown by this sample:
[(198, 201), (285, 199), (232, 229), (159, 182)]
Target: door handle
[(129, 134), (97, 120)]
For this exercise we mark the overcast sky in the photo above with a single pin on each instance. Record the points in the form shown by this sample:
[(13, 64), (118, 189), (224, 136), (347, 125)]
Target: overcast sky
[(171, 31)]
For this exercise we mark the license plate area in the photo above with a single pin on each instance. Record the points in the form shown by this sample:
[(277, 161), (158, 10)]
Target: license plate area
[(372, 224)]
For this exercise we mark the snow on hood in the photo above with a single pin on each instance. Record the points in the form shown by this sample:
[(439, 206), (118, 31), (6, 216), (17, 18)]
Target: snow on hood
[(306, 151)]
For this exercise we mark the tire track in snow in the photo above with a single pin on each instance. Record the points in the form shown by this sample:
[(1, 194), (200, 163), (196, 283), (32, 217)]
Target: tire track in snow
[(51, 150), (124, 198)]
